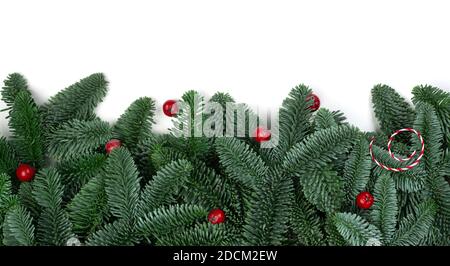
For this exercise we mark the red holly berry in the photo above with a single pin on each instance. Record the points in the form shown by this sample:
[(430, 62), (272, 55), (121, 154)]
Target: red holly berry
[(170, 108), (25, 172), (316, 102), (262, 134), (364, 200), (112, 144), (216, 216)]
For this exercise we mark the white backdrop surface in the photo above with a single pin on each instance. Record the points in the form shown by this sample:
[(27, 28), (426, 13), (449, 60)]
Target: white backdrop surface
[(256, 50)]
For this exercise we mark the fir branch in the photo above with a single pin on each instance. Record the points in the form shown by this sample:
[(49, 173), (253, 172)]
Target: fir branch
[(240, 161), (5, 190), (136, 123), (8, 162), (75, 173), (339, 117), (414, 227), (323, 119), (391, 110), (408, 181), (323, 188), (294, 121), (26, 129), (7, 199), (77, 101), (27, 200), (118, 233), (188, 126), (54, 227), (427, 123), (319, 149), (162, 155), (266, 222), (141, 155), (204, 234), (439, 99), (333, 236), (355, 230), (166, 220), (440, 193), (357, 170), (14, 84), (206, 188), (122, 184), (18, 228), (385, 209), (167, 180), (78, 138), (306, 223), (222, 98), (88, 210)]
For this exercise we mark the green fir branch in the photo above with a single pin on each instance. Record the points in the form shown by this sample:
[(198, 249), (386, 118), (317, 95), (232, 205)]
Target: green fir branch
[(78, 138), (240, 161), (319, 149), (355, 230), (8, 162), (136, 123), (306, 223), (77, 101), (26, 129), (88, 210), (54, 227), (414, 227), (117, 233), (357, 170), (266, 222), (391, 109), (166, 220), (18, 228), (294, 120), (385, 209), (13, 85), (159, 191), (122, 184)]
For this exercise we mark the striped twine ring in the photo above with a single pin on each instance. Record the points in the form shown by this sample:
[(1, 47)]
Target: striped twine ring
[(391, 138)]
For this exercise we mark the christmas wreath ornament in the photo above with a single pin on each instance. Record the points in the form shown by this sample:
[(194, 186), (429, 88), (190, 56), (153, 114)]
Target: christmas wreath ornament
[(216, 216), (170, 108), (25, 172), (73, 242), (316, 102), (262, 134), (112, 144), (364, 200), (391, 138)]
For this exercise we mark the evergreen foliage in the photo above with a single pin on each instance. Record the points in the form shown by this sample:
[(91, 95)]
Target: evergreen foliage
[(26, 129), (159, 189), (391, 110), (78, 101), (136, 123), (78, 138)]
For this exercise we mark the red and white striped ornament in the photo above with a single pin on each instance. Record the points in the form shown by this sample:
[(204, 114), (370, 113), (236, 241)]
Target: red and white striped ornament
[(391, 138)]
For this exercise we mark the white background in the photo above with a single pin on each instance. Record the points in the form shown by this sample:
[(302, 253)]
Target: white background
[(255, 50)]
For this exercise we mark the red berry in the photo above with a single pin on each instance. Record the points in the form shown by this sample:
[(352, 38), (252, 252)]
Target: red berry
[(364, 200), (216, 216), (262, 134), (170, 108), (316, 102), (112, 144), (25, 172)]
